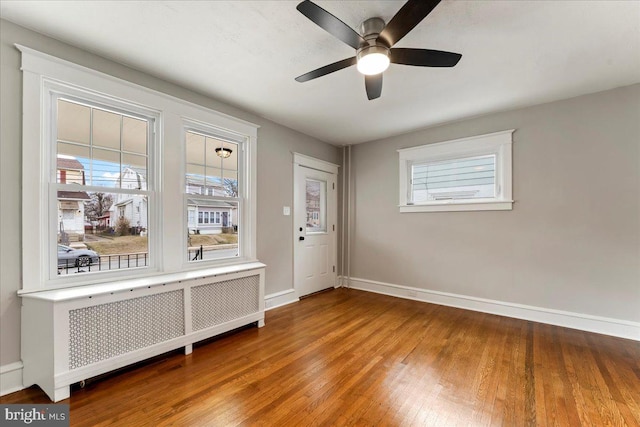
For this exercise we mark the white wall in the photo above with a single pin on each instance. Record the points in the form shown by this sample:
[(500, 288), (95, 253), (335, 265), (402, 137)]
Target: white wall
[(572, 241), (275, 186)]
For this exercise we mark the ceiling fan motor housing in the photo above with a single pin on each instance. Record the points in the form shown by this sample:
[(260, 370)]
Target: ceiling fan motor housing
[(369, 30), (367, 50)]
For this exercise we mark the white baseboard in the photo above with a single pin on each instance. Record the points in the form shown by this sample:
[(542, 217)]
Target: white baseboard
[(585, 322), (11, 378), (278, 299)]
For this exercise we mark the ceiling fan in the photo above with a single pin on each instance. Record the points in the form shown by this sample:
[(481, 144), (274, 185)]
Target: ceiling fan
[(374, 44)]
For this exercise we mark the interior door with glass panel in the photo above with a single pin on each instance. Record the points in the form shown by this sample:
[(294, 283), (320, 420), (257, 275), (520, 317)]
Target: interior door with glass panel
[(315, 214)]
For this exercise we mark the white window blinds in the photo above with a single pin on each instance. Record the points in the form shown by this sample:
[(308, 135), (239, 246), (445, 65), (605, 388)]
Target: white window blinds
[(463, 178), (466, 174)]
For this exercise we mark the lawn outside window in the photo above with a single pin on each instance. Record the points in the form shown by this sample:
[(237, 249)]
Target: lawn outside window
[(100, 175), (465, 174), (214, 193)]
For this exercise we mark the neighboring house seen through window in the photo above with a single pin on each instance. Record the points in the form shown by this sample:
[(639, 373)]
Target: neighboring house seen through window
[(213, 193), (101, 167), (106, 205)]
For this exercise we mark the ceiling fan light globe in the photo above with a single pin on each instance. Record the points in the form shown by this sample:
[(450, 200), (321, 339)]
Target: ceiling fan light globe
[(373, 63), (372, 59)]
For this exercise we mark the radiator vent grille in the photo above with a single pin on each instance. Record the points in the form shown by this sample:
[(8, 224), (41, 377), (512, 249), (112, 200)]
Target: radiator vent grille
[(103, 331), (217, 303)]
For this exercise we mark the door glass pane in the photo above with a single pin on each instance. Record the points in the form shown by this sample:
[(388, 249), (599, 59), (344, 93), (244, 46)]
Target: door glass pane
[(316, 202)]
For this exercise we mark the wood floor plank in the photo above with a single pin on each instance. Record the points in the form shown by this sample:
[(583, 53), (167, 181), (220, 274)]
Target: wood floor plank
[(348, 357)]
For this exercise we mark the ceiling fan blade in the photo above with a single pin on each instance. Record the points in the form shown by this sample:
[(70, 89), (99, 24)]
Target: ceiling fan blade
[(406, 19), (373, 84), (331, 24), (327, 69), (424, 57)]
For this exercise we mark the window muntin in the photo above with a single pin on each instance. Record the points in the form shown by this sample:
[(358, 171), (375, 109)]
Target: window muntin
[(213, 195), (45, 76), (207, 172), (465, 174), (106, 143), (102, 188)]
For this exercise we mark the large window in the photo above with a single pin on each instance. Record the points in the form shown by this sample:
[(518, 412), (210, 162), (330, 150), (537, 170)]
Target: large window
[(102, 187), (213, 192), (465, 174), (104, 184)]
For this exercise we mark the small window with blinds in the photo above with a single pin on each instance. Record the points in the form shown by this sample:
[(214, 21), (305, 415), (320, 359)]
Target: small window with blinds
[(461, 175), (457, 179)]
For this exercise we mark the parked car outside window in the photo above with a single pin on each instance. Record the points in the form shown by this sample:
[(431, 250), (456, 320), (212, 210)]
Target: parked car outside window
[(70, 257)]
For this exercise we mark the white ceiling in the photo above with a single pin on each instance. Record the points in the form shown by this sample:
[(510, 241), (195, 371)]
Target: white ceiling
[(247, 53)]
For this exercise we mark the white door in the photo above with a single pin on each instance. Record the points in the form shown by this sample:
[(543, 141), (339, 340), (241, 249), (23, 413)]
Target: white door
[(315, 215)]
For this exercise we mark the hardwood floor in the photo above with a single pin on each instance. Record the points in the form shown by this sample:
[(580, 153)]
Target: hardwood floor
[(348, 357)]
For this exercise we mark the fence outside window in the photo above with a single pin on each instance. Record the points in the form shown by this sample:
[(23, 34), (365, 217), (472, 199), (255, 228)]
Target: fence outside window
[(106, 262)]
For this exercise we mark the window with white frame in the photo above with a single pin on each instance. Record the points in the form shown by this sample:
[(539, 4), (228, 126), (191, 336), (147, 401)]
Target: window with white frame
[(109, 182), (460, 175), (214, 189), (100, 177)]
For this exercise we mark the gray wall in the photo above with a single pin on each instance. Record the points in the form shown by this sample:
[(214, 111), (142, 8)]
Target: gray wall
[(275, 186), (572, 240)]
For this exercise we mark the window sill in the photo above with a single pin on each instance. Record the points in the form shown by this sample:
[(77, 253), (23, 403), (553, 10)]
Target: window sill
[(504, 205), (84, 291)]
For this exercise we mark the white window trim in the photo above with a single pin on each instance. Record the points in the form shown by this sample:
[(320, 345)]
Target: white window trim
[(52, 91), (498, 143), (246, 238), (40, 69)]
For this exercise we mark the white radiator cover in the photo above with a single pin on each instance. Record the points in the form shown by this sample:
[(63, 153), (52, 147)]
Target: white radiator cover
[(108, 330), (71, 335), (235, 298)]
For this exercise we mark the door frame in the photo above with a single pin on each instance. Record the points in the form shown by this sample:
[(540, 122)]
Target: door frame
[(324, 166)]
